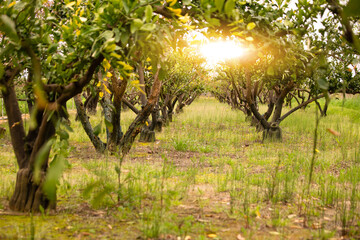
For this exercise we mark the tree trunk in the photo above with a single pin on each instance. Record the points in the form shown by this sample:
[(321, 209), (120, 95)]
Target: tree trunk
[(129, 105), (272, 134), (84, 119), (142, 84), (250, 100), (135, 127), (116, 133), (280, 101), (164, 110), (181, 104), (91, 103), (28, 194)]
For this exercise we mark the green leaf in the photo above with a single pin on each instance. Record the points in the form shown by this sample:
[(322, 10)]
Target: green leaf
[(219, 5), (63, 134), (270, 71), (2, 71), (54, 173), (68, 127), (109, 125), (288, 23), (124, 37), (229, 6), (322, 83), (251, 26), (126, 6), (352, 9), (100, 196), (135, 25), (89, 188), (148, 27), (107, 35), (279, 2), (97, 129), (7, 25), (148, 13), (117, 169), (41, 156), (70, 4)]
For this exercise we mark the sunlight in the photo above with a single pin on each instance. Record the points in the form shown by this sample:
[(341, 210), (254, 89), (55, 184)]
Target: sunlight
[(220, 51)]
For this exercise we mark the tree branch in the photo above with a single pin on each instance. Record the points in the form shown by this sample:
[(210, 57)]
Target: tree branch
[(299, 106)]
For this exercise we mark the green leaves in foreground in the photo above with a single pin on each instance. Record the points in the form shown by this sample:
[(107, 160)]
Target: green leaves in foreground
[(7, 26), (41, 157), (352, 9), (61, 150), (54, 173)]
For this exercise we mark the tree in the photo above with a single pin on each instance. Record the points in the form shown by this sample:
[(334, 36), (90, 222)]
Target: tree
[(60, 47)]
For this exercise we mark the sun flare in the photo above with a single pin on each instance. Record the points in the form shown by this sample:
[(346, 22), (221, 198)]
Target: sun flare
[(216, 52)]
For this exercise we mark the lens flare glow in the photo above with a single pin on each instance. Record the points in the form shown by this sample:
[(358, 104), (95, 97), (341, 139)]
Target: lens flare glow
[(216, 52)]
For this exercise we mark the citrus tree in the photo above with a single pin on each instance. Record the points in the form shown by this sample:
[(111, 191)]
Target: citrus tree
[(59, 47)]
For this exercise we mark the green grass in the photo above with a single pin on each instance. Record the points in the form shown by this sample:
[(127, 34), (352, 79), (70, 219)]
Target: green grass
[(208, 173)]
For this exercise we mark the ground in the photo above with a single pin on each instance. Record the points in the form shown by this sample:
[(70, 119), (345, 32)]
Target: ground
[(208, 176)]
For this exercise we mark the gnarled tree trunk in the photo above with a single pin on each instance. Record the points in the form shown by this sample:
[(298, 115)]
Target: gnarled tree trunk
[(135, 127), (28, 194)]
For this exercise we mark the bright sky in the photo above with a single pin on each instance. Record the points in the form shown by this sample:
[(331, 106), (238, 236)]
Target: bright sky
[(219, 51)]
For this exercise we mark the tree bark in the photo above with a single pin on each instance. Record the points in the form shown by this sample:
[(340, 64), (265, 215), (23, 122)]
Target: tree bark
[(129, 105), (84, 119), (118, 88), (13, 112), (135, 127), (253, 108), (142, 84), (280, 101)]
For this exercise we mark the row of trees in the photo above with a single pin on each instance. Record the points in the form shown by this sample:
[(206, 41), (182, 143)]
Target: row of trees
[(103, 49), (297, 63)]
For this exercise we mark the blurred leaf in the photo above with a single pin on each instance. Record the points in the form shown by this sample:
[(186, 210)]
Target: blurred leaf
[(117, 169), (148, 13), (219, 5), (2, 71), (229, 6), (107, 35), (97, 129), (352, 9), (109, 125), (279, 2), (100, 195), (172, 2), (288, 23), (270, 71), (70, 4), (40, 158), (322, 83), (148, 27), (63, 134), (89, 188), (53, 175), (211, 235), (176, 11), (8, 26), (126, 6), (333, 132), (135, 25), (251, 26), (124, 37)]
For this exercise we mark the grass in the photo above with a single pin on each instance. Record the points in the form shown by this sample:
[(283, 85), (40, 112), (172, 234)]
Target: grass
[(207, 176)]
